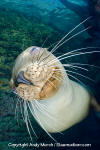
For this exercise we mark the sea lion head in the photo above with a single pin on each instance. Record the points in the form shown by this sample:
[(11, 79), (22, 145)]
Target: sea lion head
[(36, 74)]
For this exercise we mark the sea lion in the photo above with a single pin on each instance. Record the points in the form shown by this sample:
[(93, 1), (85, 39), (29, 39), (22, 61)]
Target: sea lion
[(55, 101)]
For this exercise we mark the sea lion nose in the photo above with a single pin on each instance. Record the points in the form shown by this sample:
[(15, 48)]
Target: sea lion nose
[(21, 79)]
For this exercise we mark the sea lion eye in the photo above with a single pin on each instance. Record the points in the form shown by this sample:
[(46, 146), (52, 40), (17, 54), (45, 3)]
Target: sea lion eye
[(34, 50), (21, 79)]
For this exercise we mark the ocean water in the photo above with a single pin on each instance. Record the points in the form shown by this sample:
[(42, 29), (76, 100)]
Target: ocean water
[(24, 23)]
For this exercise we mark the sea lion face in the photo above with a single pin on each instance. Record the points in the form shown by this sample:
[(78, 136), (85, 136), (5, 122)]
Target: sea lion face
[(34, 77)]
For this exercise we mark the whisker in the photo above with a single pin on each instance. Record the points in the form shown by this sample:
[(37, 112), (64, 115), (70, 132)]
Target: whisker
[(72, 66), (45, 40), (26, 119), (43, 106), (42, 46), (76, 50), (42, 124), (46, 113), (52, 84), (31, 124), (76, 54), (22, 111), (59, 79), (35, 114), (75, 78), (80, 75), (72, 37), (59, 70), (86, 65), (54, 43), (67, 65), (16, 109), (80, 68), (55, 47), (80, 53), (39, 61), (70, 32)]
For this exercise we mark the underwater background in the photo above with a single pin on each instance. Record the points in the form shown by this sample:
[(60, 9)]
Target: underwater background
[(24, 23)]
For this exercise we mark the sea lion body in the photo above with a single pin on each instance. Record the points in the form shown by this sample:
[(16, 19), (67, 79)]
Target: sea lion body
[(64, 106)]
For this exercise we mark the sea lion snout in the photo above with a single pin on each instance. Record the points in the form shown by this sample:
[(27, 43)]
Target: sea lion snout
[(35, 78), (21, 79)]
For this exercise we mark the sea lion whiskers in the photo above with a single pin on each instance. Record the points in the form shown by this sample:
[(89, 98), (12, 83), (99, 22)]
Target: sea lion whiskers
[(21, 108), (81, 75), (65, 65), (36, 114), (16, 108), (42, 46), (77, 65), (42, 108), (73, 51), (59, 42), (30, 121), (54, 42), (57, 78), (74, 67), (77, 74), (46, 112), (75, 79), (76, 54), (52, 84), (42, 124), (39, 61), (26, 119), (72, 37), (19, 99), (81, 64)]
